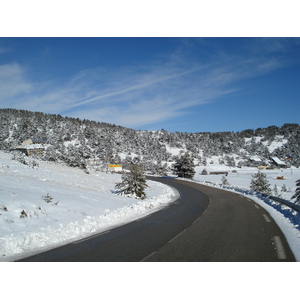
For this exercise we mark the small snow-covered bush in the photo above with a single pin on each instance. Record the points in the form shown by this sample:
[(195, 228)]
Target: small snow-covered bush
[(23, 214), (3, 207), (48, 199)]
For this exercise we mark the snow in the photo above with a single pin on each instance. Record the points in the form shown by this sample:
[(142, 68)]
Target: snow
[(255, 158), (82, 204), (174, 150), (242, 177), (278, 142)]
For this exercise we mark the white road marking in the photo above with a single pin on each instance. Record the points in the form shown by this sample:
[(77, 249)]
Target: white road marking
[(279, 248), (267, 218), (145, 258), (178, 235), (91, 237), (256, 206)]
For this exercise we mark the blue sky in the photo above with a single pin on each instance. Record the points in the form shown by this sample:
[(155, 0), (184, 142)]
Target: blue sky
[(179, 84)]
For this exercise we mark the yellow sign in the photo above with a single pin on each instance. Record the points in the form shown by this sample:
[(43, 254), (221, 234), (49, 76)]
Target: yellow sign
[(115, 166)]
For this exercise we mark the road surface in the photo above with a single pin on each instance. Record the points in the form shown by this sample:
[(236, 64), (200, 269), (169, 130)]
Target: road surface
[(203, 225)]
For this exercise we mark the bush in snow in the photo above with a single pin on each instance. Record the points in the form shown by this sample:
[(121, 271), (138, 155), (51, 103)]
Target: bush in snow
[(260, 184), (283, 188), (48, 199), (275, 191), (23, 214), (3, 207), (297, 192), (33, 164), (133, 183)]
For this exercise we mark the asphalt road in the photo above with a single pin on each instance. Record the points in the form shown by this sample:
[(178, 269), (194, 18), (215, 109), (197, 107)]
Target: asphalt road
[(203, 225)]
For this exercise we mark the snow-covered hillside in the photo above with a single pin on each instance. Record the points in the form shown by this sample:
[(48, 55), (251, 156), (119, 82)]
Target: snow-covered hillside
[(79, 204), (75, 141)]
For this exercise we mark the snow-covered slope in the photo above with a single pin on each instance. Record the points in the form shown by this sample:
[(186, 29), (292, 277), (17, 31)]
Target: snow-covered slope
[(79, 204)]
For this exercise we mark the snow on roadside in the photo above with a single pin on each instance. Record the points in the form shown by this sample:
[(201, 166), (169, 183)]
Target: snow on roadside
[(81, 205)]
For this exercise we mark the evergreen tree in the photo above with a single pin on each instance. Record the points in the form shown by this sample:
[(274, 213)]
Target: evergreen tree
[(284, 188), (184, 167), (297, 192), (224, 180), (259, 183), (204, 172), (133, 182)]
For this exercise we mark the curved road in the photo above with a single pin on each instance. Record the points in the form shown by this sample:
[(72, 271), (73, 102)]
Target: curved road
[(203, 224)]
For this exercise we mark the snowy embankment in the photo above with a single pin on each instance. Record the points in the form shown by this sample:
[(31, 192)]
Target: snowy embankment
[(50, 205)]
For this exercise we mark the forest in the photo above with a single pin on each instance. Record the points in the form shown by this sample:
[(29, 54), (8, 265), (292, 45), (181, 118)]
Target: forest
[(75, 142)]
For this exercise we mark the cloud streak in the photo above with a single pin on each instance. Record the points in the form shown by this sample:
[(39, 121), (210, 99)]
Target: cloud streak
[(132, 88)]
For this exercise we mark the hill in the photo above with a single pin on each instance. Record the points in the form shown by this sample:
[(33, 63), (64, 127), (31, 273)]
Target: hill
[(76, 142)]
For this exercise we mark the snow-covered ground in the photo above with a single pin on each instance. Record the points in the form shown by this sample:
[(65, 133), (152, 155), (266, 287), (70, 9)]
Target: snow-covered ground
[(242, 177), (79, 204), (82, 204)]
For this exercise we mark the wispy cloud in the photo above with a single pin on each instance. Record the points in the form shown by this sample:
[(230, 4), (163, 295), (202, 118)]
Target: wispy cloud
[(13, 82), (136, 96)]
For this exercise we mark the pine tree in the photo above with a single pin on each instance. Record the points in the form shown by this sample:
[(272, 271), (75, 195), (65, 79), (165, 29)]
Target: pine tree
[(260, 184), (133, 182), (297, 192), (204, 172), (224, 180), (284, 188), (184, 167)]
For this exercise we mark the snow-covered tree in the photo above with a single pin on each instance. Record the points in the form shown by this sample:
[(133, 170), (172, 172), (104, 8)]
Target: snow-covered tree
[(133, 182), (259, 183), (204, 172), (297, 192), (284, 188), (184, 167), (275, 191), (160, 168), (224, 180)]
